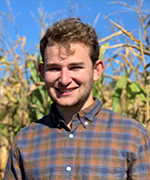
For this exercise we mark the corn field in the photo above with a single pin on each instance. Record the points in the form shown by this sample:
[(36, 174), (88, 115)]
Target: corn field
[(23, 97)]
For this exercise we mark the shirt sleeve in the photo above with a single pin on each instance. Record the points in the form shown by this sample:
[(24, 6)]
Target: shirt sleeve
[(140, 169), (13, 169)]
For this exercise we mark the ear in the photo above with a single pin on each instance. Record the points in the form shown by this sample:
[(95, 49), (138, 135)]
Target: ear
[(98, 70), (41, 69)]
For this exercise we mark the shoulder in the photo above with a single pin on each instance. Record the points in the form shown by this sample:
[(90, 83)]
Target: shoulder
[(35, 129), (120, 122)]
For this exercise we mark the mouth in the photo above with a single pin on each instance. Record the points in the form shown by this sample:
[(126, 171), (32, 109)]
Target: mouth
[(66, 91)]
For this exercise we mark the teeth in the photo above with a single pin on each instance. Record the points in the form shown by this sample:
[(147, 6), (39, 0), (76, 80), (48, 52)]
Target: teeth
[(68, 90)]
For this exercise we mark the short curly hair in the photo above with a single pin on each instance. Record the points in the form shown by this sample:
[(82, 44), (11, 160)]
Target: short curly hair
[(71, 30)]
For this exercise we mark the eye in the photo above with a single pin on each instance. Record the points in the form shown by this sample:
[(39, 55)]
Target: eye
[(75, 68), (53, 69)]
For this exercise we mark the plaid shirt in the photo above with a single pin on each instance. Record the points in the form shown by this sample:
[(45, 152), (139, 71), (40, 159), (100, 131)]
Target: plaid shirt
[(102, 145)]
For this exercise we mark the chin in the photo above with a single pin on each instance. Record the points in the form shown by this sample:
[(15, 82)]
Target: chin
[(67, 104)]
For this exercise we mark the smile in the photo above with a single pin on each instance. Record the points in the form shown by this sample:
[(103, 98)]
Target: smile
[(65, 90)]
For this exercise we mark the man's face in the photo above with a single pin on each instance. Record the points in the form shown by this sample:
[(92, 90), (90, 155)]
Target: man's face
[(69, 78)]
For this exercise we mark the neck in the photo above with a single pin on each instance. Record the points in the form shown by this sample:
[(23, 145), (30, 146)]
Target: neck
[(67, 113)]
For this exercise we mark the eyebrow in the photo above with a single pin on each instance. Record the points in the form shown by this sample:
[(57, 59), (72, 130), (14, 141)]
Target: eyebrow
[(77, 64), (51, 64), (72, 64)]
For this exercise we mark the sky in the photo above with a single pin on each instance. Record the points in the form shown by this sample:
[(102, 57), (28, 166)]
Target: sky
[(23, 11), (26, 13), (87, 10)]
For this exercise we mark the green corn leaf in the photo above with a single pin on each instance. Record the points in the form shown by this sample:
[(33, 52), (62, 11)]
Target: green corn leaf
[(38, 97), (118, 91), (11, 97), (141, 93), (103, 49), (39, 114), (5, 62), (2, 131), (33, 70)]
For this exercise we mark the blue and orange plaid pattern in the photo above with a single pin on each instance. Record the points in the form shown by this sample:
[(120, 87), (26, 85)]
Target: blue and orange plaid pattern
[(102, 145)]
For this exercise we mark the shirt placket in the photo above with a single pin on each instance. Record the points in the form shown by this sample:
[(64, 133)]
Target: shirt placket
[(69, 155), (70, 151)]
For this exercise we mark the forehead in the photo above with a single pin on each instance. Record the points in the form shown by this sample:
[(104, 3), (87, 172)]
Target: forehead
[(63, 52)]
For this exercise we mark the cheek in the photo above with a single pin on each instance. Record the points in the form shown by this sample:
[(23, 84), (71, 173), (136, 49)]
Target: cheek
[(49, 78), (84, 77)]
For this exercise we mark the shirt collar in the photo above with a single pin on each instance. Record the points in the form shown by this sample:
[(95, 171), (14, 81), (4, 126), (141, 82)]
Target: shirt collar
[(90, 112), (84, 115), (87, 115)]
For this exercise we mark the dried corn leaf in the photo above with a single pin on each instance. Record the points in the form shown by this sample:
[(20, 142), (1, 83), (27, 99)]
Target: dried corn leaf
[(23, 42), (134, 53), (32, 88), (127, 51), (18, 87), (116, 46), (147, 25), (111, 36), (125, 60), (23, 39), (30, 57), (40, 83), (37, 107), (148, 65), (4, 61), (123, 4), (146, 52), (129, 34)]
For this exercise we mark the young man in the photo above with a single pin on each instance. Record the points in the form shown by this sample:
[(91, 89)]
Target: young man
[(78, 139)]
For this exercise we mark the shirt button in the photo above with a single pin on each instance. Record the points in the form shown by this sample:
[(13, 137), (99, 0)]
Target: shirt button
[(86, 123), (71, 135), (68, 168)]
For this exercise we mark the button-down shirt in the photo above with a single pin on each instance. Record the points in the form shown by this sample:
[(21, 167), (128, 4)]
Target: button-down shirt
[(102, 145)]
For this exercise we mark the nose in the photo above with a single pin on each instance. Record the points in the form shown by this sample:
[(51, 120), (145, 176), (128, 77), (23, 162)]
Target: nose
[(65, 78)]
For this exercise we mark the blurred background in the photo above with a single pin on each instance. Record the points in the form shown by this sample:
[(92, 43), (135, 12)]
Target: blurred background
[(123, 29)]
